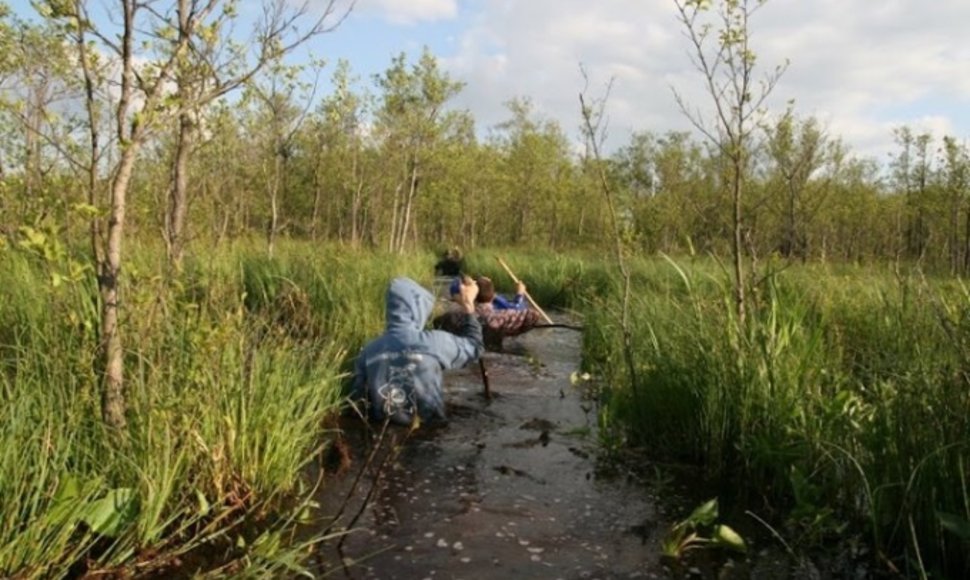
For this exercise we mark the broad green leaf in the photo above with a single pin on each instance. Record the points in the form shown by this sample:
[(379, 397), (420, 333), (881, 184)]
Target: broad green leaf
[(68, 490), (71, 493), (704, 514), (204, 505), (955, 524), (110, 515), (725, 536)]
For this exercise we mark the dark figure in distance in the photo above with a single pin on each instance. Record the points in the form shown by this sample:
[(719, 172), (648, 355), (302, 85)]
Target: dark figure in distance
[(450, 264)]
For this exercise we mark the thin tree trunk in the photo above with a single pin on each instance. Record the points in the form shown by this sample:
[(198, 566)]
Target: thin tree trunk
[(737, 243), (274, 213), (94, 143), (954, 237), (178, 198), (113, 402), (409, 203), (966, 243), (394, 219), (356, 224), (358, 186), (317, 198), (33, 118)]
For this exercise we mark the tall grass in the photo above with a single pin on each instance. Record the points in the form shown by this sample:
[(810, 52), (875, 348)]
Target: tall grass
[(231, 374), (843, 400)]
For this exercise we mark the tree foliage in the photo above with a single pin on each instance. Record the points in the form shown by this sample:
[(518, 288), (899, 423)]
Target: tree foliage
[(390, 162)]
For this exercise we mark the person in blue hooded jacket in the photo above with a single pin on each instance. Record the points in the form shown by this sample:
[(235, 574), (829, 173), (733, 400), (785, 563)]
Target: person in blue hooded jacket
[(400, 373)]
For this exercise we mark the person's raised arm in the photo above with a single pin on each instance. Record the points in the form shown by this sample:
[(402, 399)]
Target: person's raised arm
[(467, 292), (465, 345), (518, 303)]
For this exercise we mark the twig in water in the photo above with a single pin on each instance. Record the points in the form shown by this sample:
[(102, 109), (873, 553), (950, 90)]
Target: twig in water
[(360, 474), (773, 531), (378, 473), (481, 367)]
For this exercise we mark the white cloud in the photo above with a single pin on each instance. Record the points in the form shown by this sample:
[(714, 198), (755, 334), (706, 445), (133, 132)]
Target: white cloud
[(411, 11), (862, 67)]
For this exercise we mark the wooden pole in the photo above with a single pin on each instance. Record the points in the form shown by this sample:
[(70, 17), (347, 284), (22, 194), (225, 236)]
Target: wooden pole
[(527, 297)]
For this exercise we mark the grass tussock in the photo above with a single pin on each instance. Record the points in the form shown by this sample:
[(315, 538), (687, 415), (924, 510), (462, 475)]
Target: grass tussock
[(841, 402), (231, 373)]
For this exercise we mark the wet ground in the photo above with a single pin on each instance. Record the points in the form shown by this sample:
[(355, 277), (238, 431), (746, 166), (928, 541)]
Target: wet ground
[(511, 488), (508, 489)]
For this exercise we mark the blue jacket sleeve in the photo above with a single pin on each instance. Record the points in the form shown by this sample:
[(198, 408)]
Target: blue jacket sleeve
[(456, 350), (502, 303)]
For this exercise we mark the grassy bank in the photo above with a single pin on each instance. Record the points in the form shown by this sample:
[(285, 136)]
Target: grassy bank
[(841, 405), (231, 372)]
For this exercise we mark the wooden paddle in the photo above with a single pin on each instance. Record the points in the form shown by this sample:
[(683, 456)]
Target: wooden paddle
[(527, 297)]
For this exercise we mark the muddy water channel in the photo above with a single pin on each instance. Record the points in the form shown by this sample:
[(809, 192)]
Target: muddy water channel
[(508, 489)]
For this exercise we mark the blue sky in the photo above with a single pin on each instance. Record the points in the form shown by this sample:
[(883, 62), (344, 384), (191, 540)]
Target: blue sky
[(861, 67)]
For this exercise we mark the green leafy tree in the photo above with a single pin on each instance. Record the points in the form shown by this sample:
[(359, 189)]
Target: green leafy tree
[(223, 163), (337, 161), (149, 47), (675, 202), (955, 181), (911, 171), (217, 64), (139, 110), (281, 100), (798, 150), (38, 84), (445, 206), (410, 122), (537, 172), (855, 198), (723, 55)]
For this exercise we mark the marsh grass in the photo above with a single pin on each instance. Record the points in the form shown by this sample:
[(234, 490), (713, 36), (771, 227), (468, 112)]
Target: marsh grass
[(233, 370), (841, 403)]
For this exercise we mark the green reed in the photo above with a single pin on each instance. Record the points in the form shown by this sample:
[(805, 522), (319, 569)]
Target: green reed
[(232, 372), (842, 399)]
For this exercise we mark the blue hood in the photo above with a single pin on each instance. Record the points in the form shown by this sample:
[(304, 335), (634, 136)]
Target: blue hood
[(400, 372), (408, 305)]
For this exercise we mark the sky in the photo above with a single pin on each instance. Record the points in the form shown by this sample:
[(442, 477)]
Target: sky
[(861, 67)]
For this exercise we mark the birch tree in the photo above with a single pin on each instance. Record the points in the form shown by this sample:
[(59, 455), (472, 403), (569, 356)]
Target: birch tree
[(147, 44), (215, 64), (955, 180), (721, 52), (797, 149), (411, 119)]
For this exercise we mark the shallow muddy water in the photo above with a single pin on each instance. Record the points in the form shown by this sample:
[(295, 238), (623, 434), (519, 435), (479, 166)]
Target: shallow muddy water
[(510, 488), (507, 489)]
